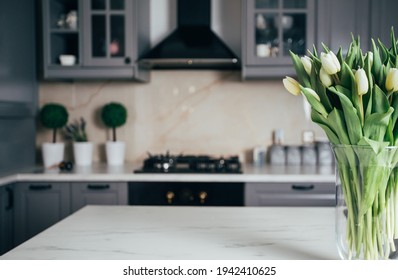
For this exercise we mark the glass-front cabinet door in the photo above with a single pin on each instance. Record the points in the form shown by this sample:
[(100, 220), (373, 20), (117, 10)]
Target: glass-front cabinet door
[(108, 36), (276, 26)]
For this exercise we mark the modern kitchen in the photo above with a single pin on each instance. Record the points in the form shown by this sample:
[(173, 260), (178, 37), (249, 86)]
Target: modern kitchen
[(163, 129)]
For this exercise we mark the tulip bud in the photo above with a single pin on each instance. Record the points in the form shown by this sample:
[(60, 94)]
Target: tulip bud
[(392, 80), (361, 81), (326, 80), (370, 54), (307, 63), (330, 63), (313, 93), (291, 85)]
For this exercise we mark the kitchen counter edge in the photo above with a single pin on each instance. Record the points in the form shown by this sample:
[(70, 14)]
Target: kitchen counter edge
[(101, 172)]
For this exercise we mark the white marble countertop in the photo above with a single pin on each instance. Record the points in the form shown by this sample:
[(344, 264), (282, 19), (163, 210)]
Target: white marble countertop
[(186, 233), (103, 172)]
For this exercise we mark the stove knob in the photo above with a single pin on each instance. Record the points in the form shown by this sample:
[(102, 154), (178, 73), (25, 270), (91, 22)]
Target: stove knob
[(202, 197), (170, 196)]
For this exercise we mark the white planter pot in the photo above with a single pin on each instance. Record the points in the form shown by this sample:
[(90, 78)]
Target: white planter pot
[(83, 153), (53, 153), (115, 152)]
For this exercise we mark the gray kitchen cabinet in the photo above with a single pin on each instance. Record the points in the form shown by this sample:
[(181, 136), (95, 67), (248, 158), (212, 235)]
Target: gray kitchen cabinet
[(383, 15), (337, 19), (98, 193), (6, 218), (38, 206), (18, 85), (106, 37), (270, 29), (290, 194)]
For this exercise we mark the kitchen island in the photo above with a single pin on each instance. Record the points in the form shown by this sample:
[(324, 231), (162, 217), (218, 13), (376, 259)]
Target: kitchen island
[(186, 233)]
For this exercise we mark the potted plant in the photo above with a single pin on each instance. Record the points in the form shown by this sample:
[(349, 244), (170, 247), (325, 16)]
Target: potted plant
[(82, 148), (53, 116), (114, 115)]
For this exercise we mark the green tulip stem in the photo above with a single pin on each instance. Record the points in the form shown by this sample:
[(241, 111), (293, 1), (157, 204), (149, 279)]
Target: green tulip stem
[(361, 109), (336, 79)]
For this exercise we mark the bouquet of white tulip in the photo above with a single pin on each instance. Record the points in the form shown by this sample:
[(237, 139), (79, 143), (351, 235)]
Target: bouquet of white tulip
[(354, 100)]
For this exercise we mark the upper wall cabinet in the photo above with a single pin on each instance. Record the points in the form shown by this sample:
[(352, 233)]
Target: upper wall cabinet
[(270, 29), (338, 19), (94, 39)]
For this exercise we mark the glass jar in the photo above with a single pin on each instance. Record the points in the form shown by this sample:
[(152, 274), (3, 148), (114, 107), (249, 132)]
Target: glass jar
[(367, 201)]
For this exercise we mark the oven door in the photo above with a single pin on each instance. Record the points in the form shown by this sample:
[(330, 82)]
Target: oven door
[(186, 193)]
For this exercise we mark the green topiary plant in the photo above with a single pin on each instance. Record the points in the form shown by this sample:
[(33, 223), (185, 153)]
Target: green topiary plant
[(114, 115), (53, 116)]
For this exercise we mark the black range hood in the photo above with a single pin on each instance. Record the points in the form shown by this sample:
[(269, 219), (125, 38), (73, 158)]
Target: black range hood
[(193, 45)]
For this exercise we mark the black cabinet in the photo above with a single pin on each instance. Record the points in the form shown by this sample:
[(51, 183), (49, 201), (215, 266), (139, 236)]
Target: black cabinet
[(6, 218), (94, 39), (270, 29), (38, 206)]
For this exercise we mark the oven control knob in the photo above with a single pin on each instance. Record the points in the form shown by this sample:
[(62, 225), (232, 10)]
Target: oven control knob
[(202, 197), (170, 196)]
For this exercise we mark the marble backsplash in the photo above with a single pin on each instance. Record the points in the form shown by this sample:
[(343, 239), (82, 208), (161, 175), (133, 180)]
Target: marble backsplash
[(190, 112)]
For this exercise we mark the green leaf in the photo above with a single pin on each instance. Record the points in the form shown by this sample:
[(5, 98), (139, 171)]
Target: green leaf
[(376, 124), (337, 123), (346, 76), (323, 123), (376, 146), (367, 98), (301, 73), (315, 104), (376, 67), (393, 42), (351, 55), (327, 50), (384, 51), (322, 92), (394, 104), (351, 117), (380, 102)]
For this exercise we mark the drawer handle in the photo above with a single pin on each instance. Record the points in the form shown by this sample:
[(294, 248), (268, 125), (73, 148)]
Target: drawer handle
[(303, 187), (39, 187), (98, 187)]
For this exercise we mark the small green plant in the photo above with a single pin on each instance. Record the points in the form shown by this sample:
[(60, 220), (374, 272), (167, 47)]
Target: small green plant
[(114, 115), (53, 116), (76, 131)]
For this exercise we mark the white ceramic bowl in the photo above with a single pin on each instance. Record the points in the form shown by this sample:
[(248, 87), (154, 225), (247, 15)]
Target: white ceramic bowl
[(67, 59)]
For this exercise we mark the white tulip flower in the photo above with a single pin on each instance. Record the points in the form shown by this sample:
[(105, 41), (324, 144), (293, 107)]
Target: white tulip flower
[(307, 63), (392, 80), (361, 81), (291, 85), (313, 93), (330, 63), (326, 79)]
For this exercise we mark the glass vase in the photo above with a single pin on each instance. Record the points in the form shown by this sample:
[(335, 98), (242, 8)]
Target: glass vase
[(366, 201)]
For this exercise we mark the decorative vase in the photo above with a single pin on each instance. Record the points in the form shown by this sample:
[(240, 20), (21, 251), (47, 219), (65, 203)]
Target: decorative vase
[(83, 153), (53, 153), (115, 151), (367, 201)]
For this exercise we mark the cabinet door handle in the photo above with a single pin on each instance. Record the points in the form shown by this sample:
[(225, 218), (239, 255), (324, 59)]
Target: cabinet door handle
[(127, 60), (40, 187), (303, 187), (98, 187), (10, 198)]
